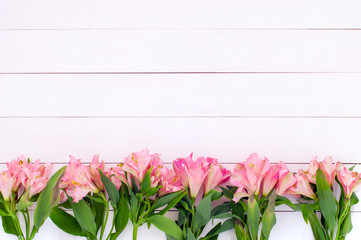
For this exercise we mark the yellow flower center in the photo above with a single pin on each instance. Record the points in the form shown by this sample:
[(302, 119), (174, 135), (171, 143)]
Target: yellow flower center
[(21, 162), (75, 183), (120, 164)]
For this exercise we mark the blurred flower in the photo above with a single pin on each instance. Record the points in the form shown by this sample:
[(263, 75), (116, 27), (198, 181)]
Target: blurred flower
[(329, 169), (77, 180), (192, 173), (137, 164), (349, 180), (94, 172), (35, 176), (116, 175), (250, 173), (217, 175), (302, 186), (286, 181), (7, 182), (169, 182)]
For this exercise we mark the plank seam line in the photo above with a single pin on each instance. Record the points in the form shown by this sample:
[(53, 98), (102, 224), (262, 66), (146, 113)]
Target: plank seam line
[(184, 29), (180, 117), (169, 73)]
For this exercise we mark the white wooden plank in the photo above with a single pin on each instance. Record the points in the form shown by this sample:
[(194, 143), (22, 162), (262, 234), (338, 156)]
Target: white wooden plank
[(180, 51), (228, 139), (91, 14), (181, 95), (289, 225)]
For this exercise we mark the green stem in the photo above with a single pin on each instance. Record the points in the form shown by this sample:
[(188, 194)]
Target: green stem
[(17, 226), (342, 218), (27, 223), (106, 217), (111, 230), (135, 231)]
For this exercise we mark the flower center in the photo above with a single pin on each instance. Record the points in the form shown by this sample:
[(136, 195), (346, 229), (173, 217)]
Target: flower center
[(75, 183)]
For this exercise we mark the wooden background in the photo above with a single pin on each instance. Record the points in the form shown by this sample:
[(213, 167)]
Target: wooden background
[(217, 78)]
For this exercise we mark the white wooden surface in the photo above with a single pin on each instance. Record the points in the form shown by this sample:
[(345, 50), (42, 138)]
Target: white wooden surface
[(217, 78)]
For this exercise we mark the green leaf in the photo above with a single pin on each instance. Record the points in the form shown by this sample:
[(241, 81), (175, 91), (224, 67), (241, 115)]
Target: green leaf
[(306, 210), (241, 232), (162, 201), (99, 209), (152, 191), (190, 235), (351, 168), (173, 203), (111, 189), (226, 225), (1, 197), (65, 222), (145, 185), (3, 209), (283, 200), (226, 215), (253, 216), (133, 207), (84, 216), (316, 227), (222, 208), (203, 213), (121, 219), (213, 232), (48, 199), (134, 185), (328, 205), (238, 210), (9, 226), (346, 226), (227, 193), (268, 217), (215, 194), (24, 201), (354, 199), (166, 225)]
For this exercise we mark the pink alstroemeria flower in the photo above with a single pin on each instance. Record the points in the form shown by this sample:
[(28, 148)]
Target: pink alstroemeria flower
[(77, 180), (7, 183), (94, 172), (302, 186), (192, 173), (116, 175), (329, 169), (271, 178), (285, 182), (250, 173), (240, 193), (36, 176), (349, 180), (15, 169), (137, 164), (217, 175), (311, 171), (169, 182)]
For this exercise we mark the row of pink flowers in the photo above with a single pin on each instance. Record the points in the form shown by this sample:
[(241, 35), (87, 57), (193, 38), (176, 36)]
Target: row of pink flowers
[(255, 176), (22, 175)]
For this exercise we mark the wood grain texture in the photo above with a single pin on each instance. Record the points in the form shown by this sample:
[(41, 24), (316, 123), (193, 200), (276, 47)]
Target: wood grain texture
[(181, 95), (90, 14), (228, 139), (180, 51)]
